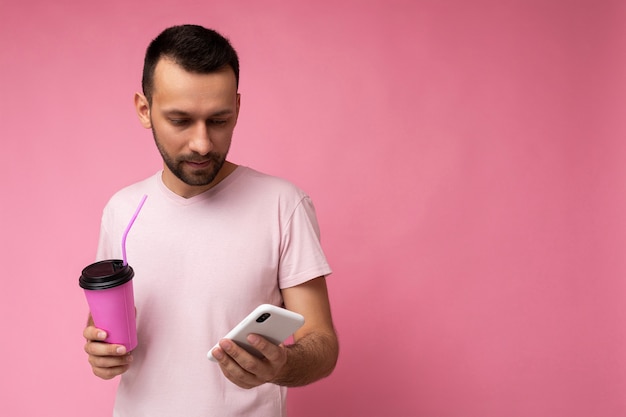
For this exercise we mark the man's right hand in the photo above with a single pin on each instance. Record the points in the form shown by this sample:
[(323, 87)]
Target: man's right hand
[(107, 360)]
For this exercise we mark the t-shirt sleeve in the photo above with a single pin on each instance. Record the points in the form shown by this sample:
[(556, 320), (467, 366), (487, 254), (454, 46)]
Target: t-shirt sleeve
[(302, 257), (104, 250)]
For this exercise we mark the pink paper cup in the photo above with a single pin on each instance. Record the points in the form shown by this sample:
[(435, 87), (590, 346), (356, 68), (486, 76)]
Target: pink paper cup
[(108, 287)]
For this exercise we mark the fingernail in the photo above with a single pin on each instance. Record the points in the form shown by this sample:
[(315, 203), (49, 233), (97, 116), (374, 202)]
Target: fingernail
[(121, 350), (217, 354), (226, 344), (101, 335), (253, 339)]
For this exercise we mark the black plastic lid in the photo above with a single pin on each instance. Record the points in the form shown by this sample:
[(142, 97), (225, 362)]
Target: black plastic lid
[(105, 274)]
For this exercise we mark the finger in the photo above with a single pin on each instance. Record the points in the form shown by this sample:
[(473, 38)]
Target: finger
[(218, 354), (104, 349), (109, 361), (238, 354), (93, 333), (239, 377), (109, 373), (232, 359), (272, 352), (248, 369)]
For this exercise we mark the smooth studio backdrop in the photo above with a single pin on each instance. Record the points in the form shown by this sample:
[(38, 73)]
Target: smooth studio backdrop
[(467, 160)]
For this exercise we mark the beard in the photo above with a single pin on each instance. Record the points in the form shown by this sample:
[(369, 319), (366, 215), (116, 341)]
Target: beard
[(185, 173)]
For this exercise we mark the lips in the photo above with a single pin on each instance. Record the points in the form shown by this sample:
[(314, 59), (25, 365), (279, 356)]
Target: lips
[(198, 164)]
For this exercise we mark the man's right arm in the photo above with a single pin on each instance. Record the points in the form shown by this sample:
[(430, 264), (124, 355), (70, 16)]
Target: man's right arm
[(107, 360)]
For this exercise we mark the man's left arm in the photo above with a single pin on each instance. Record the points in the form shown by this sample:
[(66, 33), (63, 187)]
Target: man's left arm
[(312, 356), (315, 350)]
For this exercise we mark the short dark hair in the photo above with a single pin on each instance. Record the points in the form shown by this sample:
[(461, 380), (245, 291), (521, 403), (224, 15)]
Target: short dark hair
[(195, 48)]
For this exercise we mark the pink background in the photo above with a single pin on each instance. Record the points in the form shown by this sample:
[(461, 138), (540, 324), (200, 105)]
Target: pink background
[(467, 160)]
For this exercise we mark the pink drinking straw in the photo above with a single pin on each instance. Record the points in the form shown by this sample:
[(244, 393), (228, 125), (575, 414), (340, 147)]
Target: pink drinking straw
[(132, 220)]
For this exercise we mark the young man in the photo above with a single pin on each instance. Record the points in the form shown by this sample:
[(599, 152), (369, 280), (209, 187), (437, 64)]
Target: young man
[(213, 241)]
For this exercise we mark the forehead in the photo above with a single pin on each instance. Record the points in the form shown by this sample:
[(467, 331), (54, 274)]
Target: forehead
[(173, 81)]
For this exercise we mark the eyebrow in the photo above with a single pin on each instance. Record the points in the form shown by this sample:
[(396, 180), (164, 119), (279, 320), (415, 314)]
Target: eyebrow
[(176, 112)]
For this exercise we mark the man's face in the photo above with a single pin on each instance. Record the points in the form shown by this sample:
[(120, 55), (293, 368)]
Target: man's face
[(192, 117)]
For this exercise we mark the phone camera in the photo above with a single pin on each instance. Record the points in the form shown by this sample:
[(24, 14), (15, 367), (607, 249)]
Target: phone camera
[(263, 317)]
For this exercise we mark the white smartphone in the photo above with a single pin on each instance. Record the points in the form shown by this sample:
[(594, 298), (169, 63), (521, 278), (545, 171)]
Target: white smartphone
[(273, 323)]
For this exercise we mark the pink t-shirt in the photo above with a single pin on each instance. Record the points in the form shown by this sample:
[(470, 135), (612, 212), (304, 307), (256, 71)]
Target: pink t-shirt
[(201, 265)]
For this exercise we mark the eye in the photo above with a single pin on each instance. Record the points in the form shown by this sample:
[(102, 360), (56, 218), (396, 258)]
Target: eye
[(179, 122), (218, 122)]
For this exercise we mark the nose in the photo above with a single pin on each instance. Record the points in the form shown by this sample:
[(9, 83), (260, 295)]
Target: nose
[(200, 141)]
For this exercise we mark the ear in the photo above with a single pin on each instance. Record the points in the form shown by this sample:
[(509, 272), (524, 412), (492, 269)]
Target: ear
[(142, 107), (238, 104)]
